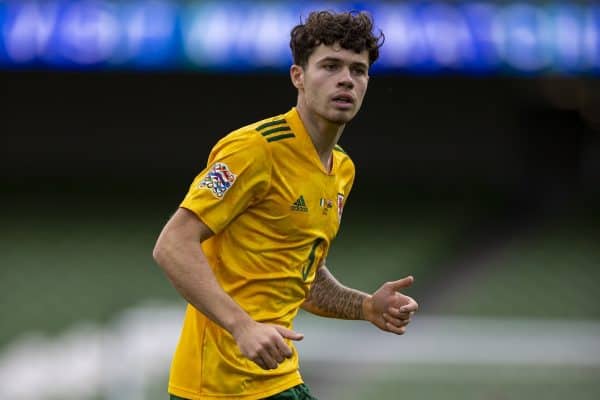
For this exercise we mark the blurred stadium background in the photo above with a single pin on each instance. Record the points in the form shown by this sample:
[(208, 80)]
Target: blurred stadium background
[(478, 155)]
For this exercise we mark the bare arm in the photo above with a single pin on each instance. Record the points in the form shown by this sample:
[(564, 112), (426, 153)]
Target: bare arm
[(329, 298), (387, 309), (180, 255)]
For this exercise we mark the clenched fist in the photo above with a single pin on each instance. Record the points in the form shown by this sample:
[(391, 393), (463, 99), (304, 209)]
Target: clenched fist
[(390, 310)]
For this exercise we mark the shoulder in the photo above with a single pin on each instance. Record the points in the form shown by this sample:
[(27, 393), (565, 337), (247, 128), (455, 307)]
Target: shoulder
[(257, 138), (253, 138), (273, 129), (260, 132)]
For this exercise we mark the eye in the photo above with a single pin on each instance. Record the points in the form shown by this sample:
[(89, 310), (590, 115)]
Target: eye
[(330, 67), (359, 71)]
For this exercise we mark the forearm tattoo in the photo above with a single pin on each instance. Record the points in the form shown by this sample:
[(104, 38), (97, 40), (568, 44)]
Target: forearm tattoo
[(333, 299)]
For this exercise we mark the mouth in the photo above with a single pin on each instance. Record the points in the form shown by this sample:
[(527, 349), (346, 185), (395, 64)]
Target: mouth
[(345, 100)]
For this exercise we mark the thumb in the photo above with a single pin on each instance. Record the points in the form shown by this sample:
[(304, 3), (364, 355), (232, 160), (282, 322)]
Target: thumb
[(402, 283), (288, 333)]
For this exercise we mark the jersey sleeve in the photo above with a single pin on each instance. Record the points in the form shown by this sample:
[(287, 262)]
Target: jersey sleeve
[(236, 176)]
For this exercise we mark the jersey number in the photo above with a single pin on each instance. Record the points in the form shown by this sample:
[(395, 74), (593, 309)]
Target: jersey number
[(311, 258)]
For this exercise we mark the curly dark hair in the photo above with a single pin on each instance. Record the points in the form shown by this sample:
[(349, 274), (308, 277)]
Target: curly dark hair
[(352, 30)]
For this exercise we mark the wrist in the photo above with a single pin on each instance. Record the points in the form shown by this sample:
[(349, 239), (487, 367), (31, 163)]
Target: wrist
[(238, 323), (367, 308)]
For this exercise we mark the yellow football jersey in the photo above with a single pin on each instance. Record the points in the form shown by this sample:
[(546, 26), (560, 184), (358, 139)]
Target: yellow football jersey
[(274, 210)]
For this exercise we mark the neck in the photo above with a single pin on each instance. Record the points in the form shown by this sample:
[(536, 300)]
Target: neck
[(324, 134)]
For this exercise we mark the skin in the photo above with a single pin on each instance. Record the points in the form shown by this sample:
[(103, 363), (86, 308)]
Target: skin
[(178, 252), (331, 71)]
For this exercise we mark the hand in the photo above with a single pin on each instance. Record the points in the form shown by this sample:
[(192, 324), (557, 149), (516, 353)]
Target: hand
[(264, 344), (388, 309)]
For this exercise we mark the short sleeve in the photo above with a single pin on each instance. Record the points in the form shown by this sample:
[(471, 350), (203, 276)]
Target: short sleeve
[(237, 175)]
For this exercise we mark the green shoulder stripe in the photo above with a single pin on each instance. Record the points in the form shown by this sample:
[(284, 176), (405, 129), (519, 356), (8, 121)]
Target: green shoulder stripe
[(339, 148), (280, 137), (278, 129), (272, 123)]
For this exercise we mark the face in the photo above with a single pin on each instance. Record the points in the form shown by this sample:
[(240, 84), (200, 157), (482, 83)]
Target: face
[(333, 83)]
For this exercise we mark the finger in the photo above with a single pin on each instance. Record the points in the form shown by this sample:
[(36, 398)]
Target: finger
[(273, 349), (396, 313), (402, 283), (283, 348), (276, 355), (259, 361), (394, 329), (268, 361), (288, 333), (412, 306), (396, 321)]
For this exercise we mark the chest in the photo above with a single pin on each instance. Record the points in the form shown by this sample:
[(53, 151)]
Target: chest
[(304, 203)]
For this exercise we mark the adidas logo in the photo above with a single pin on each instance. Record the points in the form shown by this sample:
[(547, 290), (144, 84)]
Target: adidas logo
[(299, 205)]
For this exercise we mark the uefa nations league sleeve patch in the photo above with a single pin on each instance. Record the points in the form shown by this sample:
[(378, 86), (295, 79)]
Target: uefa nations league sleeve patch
[(218, 180)]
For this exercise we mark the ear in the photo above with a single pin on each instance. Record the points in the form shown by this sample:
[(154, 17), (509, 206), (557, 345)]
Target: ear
[(297, 76)]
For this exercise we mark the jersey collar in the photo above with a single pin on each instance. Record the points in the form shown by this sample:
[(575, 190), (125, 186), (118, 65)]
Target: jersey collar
[(293, 119)]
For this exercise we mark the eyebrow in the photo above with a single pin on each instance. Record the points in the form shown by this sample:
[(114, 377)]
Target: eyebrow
[(339, 60)]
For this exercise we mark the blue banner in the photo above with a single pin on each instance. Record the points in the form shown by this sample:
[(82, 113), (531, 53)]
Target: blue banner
[(421, 37)]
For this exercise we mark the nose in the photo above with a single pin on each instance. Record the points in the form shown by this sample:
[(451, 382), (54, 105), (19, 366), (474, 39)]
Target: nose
[(345, 79)]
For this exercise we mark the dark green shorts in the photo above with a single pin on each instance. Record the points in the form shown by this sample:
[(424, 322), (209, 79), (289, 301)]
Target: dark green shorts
[(299, 392)]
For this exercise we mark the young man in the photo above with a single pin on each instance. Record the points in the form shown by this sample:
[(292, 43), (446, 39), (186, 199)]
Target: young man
[(265, 211)]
